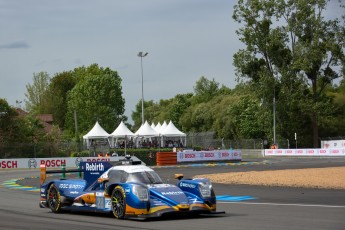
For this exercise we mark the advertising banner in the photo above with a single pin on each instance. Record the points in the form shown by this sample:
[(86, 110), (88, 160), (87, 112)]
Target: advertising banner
[(216, 155), (333, 144), (306, 152), (69, 162)]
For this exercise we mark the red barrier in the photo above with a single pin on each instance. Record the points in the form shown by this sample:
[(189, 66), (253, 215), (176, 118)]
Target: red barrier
[(166, 158)]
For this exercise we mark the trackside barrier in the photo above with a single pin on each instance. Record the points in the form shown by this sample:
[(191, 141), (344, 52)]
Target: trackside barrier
[(70, 162), (306, 152), (166, 158), (214, 155)]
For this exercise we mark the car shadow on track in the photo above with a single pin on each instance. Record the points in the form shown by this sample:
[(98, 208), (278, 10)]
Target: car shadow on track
[(166, 217)]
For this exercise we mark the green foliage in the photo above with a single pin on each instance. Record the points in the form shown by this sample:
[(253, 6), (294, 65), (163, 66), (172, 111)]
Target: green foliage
[(292, 54), (10, 124), (205, 90), (95, 98), (149, 113), (36, 93), (166, 110), (290, 44), (60, 85)]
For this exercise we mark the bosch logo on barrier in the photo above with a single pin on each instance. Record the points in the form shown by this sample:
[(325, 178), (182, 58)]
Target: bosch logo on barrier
[(98, 159), (209, 155), (310, 151), (225, 154), (94, 167), (335, 151), (32, 163), (8, 164), (78, 160), (53, 163), (189, 155)]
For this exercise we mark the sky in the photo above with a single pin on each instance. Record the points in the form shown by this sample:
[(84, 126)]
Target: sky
[(185, 40)]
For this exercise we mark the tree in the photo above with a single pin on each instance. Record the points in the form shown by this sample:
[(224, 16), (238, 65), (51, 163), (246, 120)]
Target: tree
[(177, 107), (149, 113), (95, 98), (205, 89), (9, 123), (56, 96), (35, 92), (292, 53)]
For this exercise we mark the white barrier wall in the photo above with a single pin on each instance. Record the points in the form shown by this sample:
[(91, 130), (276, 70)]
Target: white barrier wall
[(216, 155), (333, 144), (305, 152), (69, 162)]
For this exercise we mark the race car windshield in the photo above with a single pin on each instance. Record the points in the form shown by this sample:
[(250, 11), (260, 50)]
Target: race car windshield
[(146, 177)]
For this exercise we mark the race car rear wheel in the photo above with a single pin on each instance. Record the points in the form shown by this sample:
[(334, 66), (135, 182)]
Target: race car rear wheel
[(53, 199), (118, 202)]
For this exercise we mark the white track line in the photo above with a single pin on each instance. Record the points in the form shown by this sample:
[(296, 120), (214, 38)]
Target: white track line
[(278, 204)]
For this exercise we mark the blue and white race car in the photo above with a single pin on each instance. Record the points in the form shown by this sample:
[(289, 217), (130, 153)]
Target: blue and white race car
[(126, 189)]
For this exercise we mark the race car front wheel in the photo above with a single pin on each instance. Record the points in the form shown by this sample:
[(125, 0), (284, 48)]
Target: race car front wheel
[(118, 202), (53, 199)]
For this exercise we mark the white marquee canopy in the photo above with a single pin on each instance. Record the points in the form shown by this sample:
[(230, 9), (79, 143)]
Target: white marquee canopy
[(97, 132), (122, 131), (146, 131)]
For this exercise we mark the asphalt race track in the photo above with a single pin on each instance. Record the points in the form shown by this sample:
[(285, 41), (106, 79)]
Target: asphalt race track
[(246, 207)]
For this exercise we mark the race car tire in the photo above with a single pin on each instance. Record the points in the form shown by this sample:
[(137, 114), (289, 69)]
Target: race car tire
[(53, 199), (118, 202)]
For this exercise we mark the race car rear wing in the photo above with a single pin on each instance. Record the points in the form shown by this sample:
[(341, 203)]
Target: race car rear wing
[(91, 170), (44, 172)]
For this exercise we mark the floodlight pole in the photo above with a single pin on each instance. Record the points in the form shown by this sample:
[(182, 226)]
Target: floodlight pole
[(274, 120), (141, 55)]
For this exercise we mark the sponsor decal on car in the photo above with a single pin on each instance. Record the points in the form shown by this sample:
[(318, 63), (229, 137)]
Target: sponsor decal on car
[(94, 167), (187, 185), (71, 186), (172, 193)]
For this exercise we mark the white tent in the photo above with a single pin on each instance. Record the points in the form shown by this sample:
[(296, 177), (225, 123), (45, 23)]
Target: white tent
[(158, 127), (121, 132), (153, 125), (162, 128), (146, 131), (97, 132), (171, 131)]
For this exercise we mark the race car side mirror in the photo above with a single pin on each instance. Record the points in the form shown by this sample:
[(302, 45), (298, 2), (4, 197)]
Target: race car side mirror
[(178, 176)]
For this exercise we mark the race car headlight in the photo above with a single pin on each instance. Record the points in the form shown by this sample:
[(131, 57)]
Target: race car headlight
[(141, 192), (205, 189)]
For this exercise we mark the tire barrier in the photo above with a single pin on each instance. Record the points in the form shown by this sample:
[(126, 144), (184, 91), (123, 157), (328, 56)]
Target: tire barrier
[(166, 158)]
